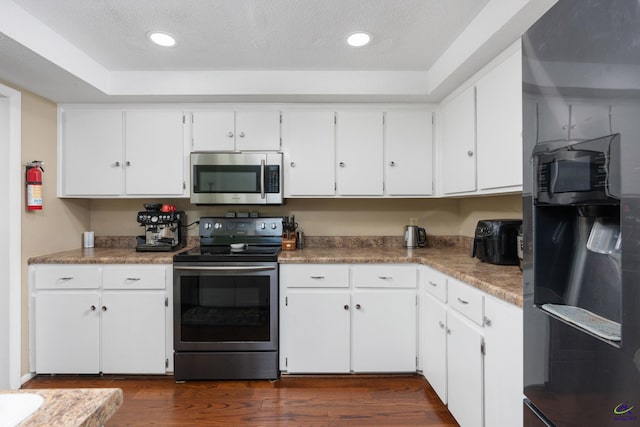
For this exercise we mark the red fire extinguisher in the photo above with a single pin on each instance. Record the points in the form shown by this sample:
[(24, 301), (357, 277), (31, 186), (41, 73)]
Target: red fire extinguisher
[(34, 185)]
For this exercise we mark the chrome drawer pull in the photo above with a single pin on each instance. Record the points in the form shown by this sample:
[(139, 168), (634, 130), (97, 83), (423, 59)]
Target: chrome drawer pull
[(66, 278), (462, 301), (317, 277), (433, 284), (132, 279), (385, 277)]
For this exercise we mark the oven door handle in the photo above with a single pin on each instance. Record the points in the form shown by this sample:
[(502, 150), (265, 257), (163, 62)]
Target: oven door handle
[(225, 268)]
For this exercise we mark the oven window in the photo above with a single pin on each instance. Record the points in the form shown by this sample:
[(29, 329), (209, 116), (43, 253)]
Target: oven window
[(226, 179), (224, 308)]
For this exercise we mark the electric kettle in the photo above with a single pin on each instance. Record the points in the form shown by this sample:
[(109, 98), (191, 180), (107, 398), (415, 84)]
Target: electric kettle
[(414, 236)]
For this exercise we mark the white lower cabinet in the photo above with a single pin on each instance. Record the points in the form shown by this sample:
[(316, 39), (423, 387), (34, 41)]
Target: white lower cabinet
[(471, 351), (100, 318), (347, 318)]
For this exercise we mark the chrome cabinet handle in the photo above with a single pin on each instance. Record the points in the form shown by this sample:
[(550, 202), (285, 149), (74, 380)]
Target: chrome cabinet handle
[(104, 308), (461, 301), (317, 277), (93, 308), (293, 164), (358, 306), (132, 279), (341, 164), (241, 134), (448, 331), (441, 325), (66, 278), (433, 284), (346, 306), (230, 134), (487, 321), (470, 153), (385, 277), (128, 163), (117, 164), (392, 164)]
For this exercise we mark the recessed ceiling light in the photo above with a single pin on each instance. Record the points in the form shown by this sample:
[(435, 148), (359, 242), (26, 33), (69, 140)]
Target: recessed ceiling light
[(358, 39), (161, 39)]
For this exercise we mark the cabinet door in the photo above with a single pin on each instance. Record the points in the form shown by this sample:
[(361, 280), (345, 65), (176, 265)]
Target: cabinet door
[(458, 163), (464, 371), (133, 332), (553, 119), (91, 152), (309, 153), (408, 153), (503, 364), (384, 331), (359, 155), (434, 344), (67, 332), (257, 130), (317, 332), (499, 125), (154, 156), (589, 120), (212, 131)]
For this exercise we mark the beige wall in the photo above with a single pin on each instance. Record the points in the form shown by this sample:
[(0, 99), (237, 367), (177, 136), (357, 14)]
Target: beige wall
[(59, 225), (331, 217)]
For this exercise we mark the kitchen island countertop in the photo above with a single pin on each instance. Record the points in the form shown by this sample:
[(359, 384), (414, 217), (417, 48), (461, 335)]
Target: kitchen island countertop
[(502, 281), (77, 407)]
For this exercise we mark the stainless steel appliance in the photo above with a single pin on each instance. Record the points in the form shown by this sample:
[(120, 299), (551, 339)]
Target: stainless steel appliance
[(163, 231), (226, 301), (236, 178), (581, 212), (496, 241), (414, 236)]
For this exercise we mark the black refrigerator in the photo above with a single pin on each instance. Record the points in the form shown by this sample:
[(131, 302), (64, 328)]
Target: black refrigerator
[(581, 215)]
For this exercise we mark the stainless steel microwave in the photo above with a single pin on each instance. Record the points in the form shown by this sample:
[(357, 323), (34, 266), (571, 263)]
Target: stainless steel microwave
[(236, 178)]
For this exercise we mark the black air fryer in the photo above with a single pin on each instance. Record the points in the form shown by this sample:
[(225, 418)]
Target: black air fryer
[(496, 241)]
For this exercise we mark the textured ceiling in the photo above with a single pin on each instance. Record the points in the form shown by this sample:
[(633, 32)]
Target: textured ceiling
[(258, 34), (254, 50)]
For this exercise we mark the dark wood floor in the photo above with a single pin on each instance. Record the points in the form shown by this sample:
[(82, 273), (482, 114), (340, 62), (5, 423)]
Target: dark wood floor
[(293, 401)]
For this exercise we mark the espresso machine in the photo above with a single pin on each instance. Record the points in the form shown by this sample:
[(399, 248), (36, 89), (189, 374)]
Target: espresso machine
[(162, 229)]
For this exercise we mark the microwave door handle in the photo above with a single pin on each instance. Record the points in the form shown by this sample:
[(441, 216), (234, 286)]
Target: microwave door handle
[(262, 193), (553, 179)]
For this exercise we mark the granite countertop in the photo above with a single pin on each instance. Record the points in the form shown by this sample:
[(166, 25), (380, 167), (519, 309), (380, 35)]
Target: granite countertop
[(503, 282), (450, 257), (78, 407), (101, 255)]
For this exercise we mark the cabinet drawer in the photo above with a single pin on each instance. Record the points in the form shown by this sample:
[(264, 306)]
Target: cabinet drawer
[(466, 299), (67, 277), (435, 283), (385, 276), (315, 276), (133, 277)]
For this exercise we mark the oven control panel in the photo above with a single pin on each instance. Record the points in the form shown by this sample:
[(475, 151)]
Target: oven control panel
[(238, 227)]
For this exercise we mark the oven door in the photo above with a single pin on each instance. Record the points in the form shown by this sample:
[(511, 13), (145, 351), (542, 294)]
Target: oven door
[(225, 306)]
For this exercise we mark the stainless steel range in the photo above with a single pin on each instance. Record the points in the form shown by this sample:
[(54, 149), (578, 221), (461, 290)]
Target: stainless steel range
[(226, 301)]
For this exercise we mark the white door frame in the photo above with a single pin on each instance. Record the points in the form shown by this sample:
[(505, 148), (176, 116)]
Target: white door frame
[(14, 208)]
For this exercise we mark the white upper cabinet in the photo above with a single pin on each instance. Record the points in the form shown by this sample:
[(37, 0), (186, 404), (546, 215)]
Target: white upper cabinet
[(309, 153), (359, 153), (114, 152), (154, 153), (499, 125), (408, 153), (216, 130), (481, 135), (458, 162), (560, 119), (91, 155)]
